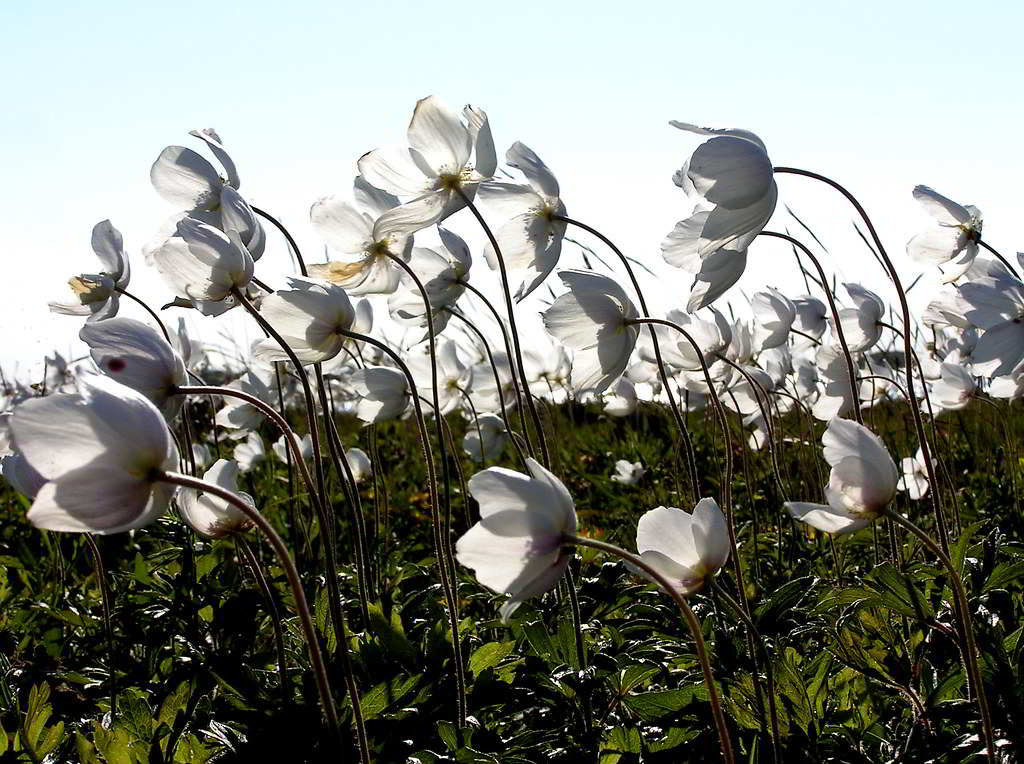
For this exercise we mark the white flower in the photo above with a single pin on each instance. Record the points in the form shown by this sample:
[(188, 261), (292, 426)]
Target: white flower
[(447, 153), (237, 414), (210, 515), (622, 401), (138, 356), (485, 438), (99, 451), (953, 390), (355, 230), (774, 314), (861, 484), (280, 448), (685, 548), (187, 180), (517, 546), (383, 393), (311, 317), (628, 473), (531, 238), (594, 320), (359, 463), (96, 294), (453, 375), (996, 305), (203, 265), (811, 319), (914, 479), (861, 325), (952, 243), (250, 452), (442, 272), (731, 177)]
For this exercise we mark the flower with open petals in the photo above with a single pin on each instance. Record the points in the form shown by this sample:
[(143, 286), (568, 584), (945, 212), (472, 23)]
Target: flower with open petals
[(448, 155), (595, 320), (188, 180), (311, 317), (96, 294), (210, 515), (685, 548), (952, 242), (517, 546), (914, 479), (861, 484), (628, 473), (100, 451), (485, 438)]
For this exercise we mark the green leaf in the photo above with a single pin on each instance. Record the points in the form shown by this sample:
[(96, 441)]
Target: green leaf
[(489, 655), (1004, 574), (386, 695), (654, 705)]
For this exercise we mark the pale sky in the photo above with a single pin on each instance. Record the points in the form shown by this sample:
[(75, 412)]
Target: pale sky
[(880, 96)]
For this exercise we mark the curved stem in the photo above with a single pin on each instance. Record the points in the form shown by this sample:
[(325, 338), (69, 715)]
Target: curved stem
[(294, 582), (510, 309), (275, 617), (851, 368), (662, 372), (908, 348), (287, 236), (149, 310), (691, 621), (984, 245)]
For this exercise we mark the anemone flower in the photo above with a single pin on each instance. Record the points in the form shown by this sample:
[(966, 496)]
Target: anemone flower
[(861, 484), (862, 325), (595, 320), (138, 356), (250, 452), (622, 400), (383, 393), (280, 448), (774, 314), (212, 516), (952, 242), (96, 294), (100, 451), (914, 479), (517, 546), (628, 473), (448, 155), (189, 181), (359, 463), (687, 549), (312, 317), (485, 438)]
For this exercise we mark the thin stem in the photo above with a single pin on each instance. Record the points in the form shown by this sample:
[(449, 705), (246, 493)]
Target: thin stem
[(287, 236), (691, 621), (108, 621), (149, 310), (294, 582), (275, 617), (662, 372), (510, 309), (984, 245)]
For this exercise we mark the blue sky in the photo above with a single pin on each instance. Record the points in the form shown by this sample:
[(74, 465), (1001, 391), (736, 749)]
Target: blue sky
[(881, 96)]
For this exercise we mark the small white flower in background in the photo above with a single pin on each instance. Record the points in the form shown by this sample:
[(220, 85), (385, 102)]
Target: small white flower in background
[(201, 455), (1010, 387), (203, 264), (453, 375), (593, 319), (861, 325), (137, 355), (914, 479), (280, 448), (354, 230), (774, 314), (952, 243), (98, 450), (835, 398), (687, 549), (485, 438), (250, 452), (189, 181), (383, 393), (811, 318), (96, 294), (210, 515), (731, 178), (628, 473), (622, 400), (311, 317), (448, 152), (516, 547), (861, 484), (484, 390), (443, 272), (996, 305), (953, 390), (359, 463), (531, 238)]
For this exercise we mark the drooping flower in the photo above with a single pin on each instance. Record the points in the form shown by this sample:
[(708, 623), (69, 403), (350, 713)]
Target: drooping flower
[(996, 305), (622, 401), (953, 390), (594, 320), (96, 294), (443, 272), (250, 452), (210, 515), (311, 317), (485, 438), (861, 325), (100, 451), (517, 546), (189, 181), (687, 549), (383, 393), (138, 356), (861, 484), (774, 314), (628, 473), (449, 154), (280, 448), (914, 479), (730, 176), (952, 242), (359, 463)]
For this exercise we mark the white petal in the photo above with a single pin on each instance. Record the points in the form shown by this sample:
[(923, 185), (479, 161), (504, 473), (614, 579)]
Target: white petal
[(185, 179), (826, 518)]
